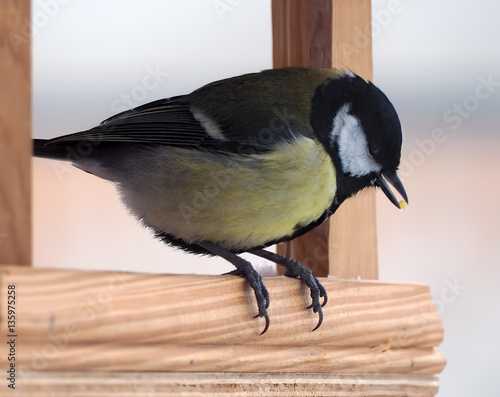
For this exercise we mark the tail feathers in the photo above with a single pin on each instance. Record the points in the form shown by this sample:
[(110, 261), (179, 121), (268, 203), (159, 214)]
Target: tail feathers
[(56, 152)]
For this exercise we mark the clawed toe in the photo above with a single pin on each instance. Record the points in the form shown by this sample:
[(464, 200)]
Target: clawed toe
[(295, 270), (244, 269), (260, 290)]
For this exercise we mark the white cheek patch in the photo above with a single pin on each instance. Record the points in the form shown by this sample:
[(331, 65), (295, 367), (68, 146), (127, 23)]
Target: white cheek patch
[(353, 147), (210, 126)]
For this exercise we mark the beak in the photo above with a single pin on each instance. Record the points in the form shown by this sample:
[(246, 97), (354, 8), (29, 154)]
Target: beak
[(394, 180)]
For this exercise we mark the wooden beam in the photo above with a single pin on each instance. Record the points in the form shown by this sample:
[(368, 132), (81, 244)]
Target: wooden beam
[(353, 228), (331, 33), (73, 320), (15, 133), (106, 384), (302, 36), (289, 23), (302, 33)]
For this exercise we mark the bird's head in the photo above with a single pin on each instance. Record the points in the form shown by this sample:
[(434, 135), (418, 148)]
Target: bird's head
[(360, 129)]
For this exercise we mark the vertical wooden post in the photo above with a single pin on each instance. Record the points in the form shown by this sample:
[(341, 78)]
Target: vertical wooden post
[(302, 36), (331, 33), (353, 229), (15, 133)]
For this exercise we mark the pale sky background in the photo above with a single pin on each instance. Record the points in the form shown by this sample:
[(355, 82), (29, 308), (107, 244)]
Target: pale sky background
[(432, 58)]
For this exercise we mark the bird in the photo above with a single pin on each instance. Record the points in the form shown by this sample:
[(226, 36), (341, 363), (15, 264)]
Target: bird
[(246, 162)]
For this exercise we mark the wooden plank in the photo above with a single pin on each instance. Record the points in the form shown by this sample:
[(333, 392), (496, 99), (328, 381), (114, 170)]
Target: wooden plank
[(351, 36), (302, 36), (302, 33), (140, 322), (310, 249), (353, 230), (15, 133), (353, 239), (320, 33), (169, 357), (290, 35), (331, 33), (105, 384)]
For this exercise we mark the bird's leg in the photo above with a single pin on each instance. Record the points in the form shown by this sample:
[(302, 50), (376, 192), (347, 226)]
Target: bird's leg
[(296, 270), (245, 269)]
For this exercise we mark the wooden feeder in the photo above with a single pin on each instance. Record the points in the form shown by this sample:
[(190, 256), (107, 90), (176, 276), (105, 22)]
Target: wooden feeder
[(114, 334)]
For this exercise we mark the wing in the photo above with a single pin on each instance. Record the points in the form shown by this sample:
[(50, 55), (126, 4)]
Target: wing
[(258, 110), (165, 121)]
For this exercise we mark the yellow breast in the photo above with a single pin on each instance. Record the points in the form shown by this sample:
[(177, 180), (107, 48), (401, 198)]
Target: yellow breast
[(235, 201)]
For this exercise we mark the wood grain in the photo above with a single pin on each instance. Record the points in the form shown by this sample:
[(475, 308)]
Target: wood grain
[(353, 227), (331, 33), (137, 322), (290, 33), (351, 36), (15, 133), (106, 384), (353, 239), (302, 36)]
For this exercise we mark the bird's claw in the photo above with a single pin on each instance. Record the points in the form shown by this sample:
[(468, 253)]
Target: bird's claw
[(296, 270), (260, 290)]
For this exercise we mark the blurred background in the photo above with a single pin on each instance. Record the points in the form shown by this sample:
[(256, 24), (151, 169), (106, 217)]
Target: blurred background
[(438, 62)]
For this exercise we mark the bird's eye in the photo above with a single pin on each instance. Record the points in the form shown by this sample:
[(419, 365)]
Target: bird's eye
[(374, 149)]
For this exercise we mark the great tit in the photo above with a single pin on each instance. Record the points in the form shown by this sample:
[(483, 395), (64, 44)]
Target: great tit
[(246, 162)]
